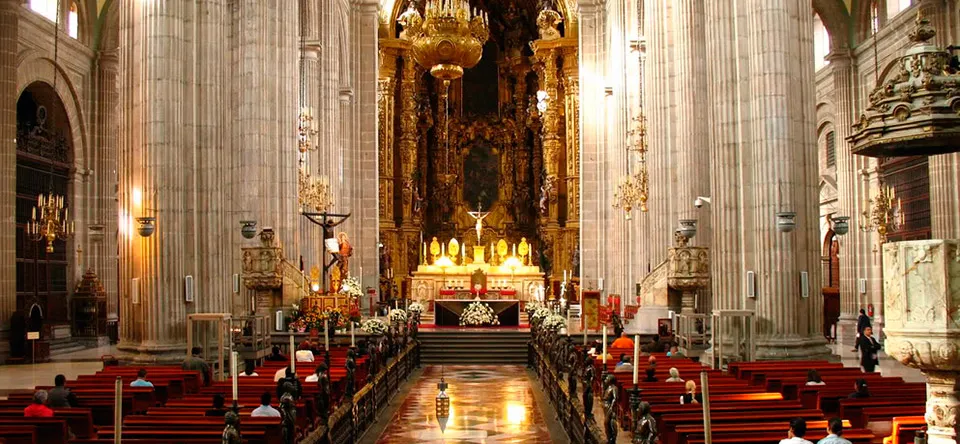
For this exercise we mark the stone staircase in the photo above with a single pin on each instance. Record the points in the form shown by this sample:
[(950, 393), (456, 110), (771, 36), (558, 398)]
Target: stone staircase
[(480, 347)]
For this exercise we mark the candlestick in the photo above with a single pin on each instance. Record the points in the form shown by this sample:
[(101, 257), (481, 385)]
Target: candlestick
[(636, 356), (352, 342), (233, 374), (293, 359), (604, 346), (326, 335)]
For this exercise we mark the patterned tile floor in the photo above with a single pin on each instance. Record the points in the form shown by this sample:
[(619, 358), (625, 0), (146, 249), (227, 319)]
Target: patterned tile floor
[(489, 405)]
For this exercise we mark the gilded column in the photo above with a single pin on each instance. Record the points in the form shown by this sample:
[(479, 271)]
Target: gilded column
[(9, 14), (841, 65), (413, 195), (552, 143), (571, 89), (386, 84)]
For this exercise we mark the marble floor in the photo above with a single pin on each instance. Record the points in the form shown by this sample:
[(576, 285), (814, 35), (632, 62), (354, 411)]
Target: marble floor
[(489, 405)]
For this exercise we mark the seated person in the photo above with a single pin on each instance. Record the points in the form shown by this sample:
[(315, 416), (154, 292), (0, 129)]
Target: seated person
[(813, 378), (861, 390), (798, 429), (674, 375), (60, 396), (249, 369), (219, 409), (624, 365), (316, 373), (141, 380), (623, 341), (835, 432), (652, 361), (653, 346), (691, 396), (304, 353), (675, 353), (38, 409), (651, 375), (275, 355), (195, 362), (289, 384), (265, 410)]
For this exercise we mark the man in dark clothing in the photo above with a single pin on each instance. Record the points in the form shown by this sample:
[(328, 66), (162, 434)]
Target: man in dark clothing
[(196, 363), (653, 346), (863, 321), (869, 347), (60, 396), (276, 355)]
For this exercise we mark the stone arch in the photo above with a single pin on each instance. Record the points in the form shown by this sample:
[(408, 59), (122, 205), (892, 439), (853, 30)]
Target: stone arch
[(835, 18), (85, 19), (33, 67), (109, 27)]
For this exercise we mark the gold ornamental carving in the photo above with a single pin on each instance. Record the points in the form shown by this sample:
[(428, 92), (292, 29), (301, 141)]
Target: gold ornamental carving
[(447, 38), (263, 265), (689, 268)]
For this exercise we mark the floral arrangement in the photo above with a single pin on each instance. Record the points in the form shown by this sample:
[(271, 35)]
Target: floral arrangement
[(532, 307), (554, 323), (351, 287), (313, 317), (375, 327), (415, 308), (478, 313), (397, 316), (539, 315)]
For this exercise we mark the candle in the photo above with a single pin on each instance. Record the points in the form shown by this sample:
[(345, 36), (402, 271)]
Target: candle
[(326, 336), (564, 276), (463, 255), (293, 359), (584, 325), (443, 249), (514, 250), (352, 342), (568, 323), (604, 346), (33, 213), (396, 304), (233, 373), (636, 356)]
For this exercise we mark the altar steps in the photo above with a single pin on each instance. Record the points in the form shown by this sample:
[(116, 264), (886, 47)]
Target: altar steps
[(473, 347)]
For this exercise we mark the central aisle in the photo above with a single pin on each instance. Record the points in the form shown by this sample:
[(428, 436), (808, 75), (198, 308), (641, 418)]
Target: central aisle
[(488, 404)]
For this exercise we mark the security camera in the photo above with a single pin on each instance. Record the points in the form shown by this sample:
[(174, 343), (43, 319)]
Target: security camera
[(700, 201)]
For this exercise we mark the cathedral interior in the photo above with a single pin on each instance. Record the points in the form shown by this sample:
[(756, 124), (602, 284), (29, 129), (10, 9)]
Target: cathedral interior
[(465, 182)]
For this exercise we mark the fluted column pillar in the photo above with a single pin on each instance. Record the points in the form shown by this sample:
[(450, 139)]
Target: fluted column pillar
[(310, 233), (365, 25), (571, 90), (841, 65), (386, 85), (9, 14), (594, 206), (414, 198), (945, 196), (106, 177)]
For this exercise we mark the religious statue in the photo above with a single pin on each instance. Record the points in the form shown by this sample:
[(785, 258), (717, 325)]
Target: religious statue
[(351, 382), (617, 325), (547, 22), (610, 409), (645, 426), (572, 369), (322, 399), (410, 20), (588, 375), (288, 415), (417, 202), (231, 433), (346, 250), (479, 215)]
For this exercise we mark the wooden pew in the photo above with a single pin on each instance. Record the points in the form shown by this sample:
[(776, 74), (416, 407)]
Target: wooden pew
[(49, 430), (79, 420), (669, 423), (19, 434), (905, 429)]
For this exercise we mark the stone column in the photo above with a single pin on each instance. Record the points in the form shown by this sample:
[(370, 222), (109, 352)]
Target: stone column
[(9, 15), (593, 199), (106, 177), (693, 172), (945, 196), (365, 203), (842, 69), (310, 233)]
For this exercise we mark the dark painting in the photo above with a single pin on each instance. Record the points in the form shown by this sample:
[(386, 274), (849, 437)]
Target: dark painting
[(481, 176)]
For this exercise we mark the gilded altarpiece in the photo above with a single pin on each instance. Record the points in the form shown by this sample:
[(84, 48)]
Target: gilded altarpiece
[(481, 145)]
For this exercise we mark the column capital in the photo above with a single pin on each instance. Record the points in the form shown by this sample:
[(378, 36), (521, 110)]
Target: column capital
[(840, 56)]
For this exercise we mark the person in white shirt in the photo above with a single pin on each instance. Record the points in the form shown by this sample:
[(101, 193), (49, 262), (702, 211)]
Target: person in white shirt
[(316, 373), (835, 430), (265, 410), (813, 378), (798, 429), (280, 374), (674, 375), (249, 370)]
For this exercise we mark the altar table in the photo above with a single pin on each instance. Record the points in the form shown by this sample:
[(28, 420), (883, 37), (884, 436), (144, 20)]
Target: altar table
[(447, 311)]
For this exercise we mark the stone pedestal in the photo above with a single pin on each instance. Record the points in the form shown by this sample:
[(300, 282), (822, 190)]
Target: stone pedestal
[(921, 289)]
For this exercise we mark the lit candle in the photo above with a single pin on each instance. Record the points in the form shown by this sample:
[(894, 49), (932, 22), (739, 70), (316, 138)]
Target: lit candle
[(514, 250), (463, 255), (326, 336), (636, 355), (604, 346), (443, 249), (233, 374), (564, 276), (33, 214)]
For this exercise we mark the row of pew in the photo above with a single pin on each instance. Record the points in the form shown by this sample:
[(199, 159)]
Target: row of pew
[(173, 411)]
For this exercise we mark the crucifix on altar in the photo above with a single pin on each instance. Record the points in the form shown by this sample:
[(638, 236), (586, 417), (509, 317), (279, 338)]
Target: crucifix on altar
[(479, 215)]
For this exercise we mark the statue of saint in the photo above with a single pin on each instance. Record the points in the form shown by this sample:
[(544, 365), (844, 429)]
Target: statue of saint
[(346, 250)]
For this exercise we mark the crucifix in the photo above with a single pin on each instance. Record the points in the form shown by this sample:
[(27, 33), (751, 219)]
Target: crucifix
[(479, 215), (328, 221)]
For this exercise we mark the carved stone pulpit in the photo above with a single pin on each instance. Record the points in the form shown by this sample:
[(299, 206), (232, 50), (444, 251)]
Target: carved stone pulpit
[(275, 281), (921, 292), (688, 271)]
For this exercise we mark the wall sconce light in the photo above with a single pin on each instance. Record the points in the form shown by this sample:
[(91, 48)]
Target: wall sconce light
[(248, 228), (146, 227), (786, 221), (841, 225)]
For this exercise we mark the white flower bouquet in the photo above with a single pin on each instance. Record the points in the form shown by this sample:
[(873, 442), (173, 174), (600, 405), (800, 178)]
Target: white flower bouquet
[(532, 307), (415, 308), (351, 287), (554, 323), (478, 313), (397, 315), (375, 327), (539, 315)]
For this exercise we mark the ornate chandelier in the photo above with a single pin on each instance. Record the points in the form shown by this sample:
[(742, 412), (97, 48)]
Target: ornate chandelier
[(315, 195), (53, 223), (883, 214), (448, 38), (633, 188)]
